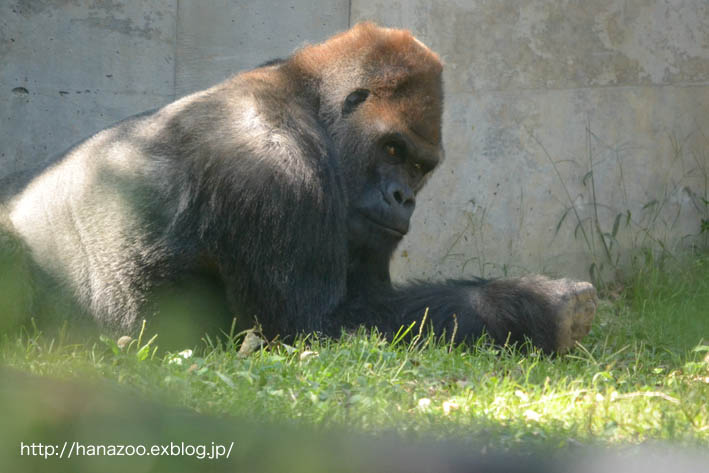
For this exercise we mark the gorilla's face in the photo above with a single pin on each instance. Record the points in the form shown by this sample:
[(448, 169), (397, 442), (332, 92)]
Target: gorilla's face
[(391, 150), (381, 211)]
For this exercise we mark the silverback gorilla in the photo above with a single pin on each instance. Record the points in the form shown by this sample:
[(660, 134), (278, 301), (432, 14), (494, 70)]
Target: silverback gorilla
[(291, 185)]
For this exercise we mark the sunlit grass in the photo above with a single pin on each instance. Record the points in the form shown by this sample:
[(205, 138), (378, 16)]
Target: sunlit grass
[(641, 374)]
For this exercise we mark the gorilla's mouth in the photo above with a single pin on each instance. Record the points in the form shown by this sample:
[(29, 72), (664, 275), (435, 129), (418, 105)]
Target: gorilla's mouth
[(396, 232)]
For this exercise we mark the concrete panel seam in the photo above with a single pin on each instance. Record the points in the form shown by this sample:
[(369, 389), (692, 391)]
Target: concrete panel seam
[(175, 51)]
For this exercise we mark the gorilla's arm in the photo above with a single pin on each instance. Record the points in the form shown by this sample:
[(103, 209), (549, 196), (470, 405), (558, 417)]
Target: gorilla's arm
[(543, 310)]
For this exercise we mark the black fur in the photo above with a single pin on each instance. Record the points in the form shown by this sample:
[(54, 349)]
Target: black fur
[(276, 187), (272, 62)]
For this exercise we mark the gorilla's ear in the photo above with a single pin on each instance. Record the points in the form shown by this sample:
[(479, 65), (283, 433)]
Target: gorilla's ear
[(353, 100)]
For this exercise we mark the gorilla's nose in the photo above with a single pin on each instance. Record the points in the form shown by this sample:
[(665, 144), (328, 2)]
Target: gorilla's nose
[(402, 203), (398, 195)]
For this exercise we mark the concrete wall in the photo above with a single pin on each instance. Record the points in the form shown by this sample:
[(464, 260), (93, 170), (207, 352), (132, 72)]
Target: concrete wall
[(538, 94), (69, 68)]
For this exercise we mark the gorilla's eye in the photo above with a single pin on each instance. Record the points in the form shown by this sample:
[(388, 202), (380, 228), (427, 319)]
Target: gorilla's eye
[(395, 150), (354, 99)]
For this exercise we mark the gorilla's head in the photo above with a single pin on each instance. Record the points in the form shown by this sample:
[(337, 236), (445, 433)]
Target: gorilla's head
[(381, 98)]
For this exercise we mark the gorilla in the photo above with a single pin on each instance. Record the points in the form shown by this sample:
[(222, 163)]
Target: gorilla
[(289, 186)]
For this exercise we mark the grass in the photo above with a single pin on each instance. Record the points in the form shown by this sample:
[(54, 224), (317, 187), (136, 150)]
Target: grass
[(654, 227), (641, 374)]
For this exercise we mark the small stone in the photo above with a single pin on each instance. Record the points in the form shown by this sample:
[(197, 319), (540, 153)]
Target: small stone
[(124, 341), (424, 403), (307, 354), (449, 406), (251, 343)]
